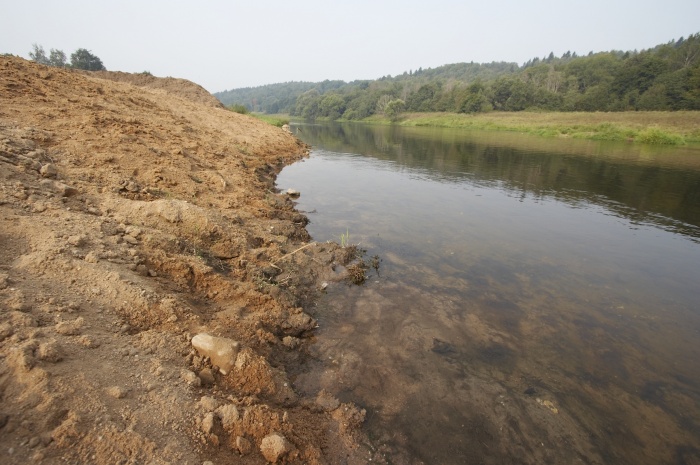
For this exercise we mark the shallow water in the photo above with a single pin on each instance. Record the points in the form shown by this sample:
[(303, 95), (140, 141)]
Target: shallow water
[(537, 299)]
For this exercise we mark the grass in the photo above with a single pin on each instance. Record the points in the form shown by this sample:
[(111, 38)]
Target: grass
[(345, 239), (275, 120), (648, 127)]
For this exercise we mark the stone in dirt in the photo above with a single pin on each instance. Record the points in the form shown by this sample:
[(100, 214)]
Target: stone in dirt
[(221, 351), (229, 416), (243, 445), (274, 446)]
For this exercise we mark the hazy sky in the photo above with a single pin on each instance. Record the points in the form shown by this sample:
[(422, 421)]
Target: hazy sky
[(228, 44)]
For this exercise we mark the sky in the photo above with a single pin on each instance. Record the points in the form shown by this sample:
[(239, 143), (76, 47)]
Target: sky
[(223, 45)]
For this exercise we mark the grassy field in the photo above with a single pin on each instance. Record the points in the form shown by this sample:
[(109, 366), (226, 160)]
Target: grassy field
[(650, 127)]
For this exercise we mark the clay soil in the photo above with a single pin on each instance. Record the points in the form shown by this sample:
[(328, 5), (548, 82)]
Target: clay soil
[(135, 213)]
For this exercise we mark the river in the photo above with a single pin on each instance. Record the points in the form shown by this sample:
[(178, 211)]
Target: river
[(537, 301)]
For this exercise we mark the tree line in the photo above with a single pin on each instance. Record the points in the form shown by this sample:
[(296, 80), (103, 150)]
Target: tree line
[(80, 59), (666, 78)]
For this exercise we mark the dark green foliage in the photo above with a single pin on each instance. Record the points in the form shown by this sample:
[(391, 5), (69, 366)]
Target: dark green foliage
[(80, 59), (666, 77), (84, 59), (238, 108)]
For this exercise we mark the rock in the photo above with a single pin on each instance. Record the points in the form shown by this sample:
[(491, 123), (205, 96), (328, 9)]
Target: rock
[(64, 190), (5, 331), (208, 403), (132, 186), (221, 351), (191, 378), (92, 257), (274, 446), (131, 240), (117, 392), (88, 342), (76, 241), (291, 342), (243, 445), (208, 423), (293, 193), (327, 401), (70, 328), (298, 324), (48, 171), (50, 352), (207, 377), (229, 415)]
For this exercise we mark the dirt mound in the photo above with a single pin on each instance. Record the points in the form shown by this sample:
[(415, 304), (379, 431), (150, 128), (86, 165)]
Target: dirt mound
[(132, 219), (182, 87)]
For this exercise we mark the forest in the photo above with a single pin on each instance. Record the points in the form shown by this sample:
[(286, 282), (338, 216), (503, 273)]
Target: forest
[(663, 78)]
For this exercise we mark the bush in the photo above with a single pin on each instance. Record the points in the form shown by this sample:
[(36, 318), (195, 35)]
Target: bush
[(659, 137), (238, 108)]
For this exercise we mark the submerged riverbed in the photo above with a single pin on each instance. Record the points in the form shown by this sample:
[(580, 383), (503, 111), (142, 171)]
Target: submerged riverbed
[(537, 299)]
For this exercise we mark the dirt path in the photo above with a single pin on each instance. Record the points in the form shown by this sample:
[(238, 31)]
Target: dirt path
[(136, 213)]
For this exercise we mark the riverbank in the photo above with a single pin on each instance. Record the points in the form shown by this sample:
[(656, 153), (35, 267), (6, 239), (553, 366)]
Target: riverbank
[(136, 213), (652, 127), (648, 127)]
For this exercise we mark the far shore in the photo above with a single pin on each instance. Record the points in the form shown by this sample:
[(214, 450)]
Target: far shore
[(648, 127)]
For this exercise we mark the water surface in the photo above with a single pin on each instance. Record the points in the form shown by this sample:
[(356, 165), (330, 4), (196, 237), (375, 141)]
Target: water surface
[(536, 301)]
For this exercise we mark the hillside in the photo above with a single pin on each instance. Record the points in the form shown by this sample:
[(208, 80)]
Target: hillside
[(134, 214), (663, 78)]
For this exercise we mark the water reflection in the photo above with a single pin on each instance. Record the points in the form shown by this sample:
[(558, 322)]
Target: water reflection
[(641, 182), (537, 301)]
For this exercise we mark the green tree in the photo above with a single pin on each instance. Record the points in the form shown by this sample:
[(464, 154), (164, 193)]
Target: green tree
[(83, 59), (307, 105), (332, 106), (475, 99), (39, 55), (394, 109), (57, 58)]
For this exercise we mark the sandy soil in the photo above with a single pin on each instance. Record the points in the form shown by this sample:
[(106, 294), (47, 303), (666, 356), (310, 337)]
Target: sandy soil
[(135, 213)]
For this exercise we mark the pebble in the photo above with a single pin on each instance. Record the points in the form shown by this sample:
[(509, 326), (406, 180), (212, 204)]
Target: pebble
[(117, 392), (207, 377), (48, 171), (243, 445), (191, 378)]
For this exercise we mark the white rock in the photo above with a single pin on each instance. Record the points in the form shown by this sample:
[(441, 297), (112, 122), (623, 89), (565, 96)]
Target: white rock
[(221, 351), (229, 415), (274, 446)]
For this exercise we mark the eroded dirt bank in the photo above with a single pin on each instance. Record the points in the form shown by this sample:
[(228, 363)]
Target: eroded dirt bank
[(133, 216)]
